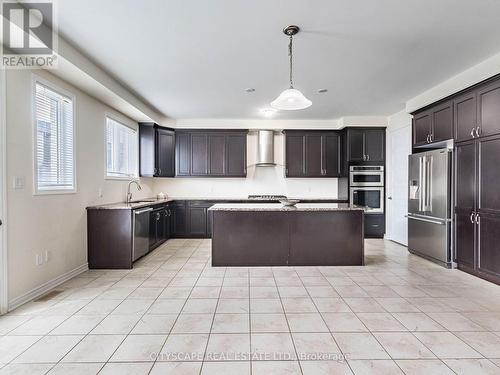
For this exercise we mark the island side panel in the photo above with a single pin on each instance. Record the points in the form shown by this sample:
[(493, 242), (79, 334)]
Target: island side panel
[(327, 238), (109, 238), (250, 238)]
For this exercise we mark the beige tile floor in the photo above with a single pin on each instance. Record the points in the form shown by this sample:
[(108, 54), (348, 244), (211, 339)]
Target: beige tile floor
[(175, 314)]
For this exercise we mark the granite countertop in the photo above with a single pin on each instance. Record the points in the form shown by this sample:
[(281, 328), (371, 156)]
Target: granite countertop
[(130, 206), (146, 202), (280, 207)]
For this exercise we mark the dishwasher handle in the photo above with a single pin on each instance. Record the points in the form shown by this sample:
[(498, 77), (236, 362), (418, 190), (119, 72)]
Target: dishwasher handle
[(143, 211)]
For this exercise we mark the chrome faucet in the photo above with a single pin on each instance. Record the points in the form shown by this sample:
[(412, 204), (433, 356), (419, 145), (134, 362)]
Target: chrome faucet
[(129, 194)]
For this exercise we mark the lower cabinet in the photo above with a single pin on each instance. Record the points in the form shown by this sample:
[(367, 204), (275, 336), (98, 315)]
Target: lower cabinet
[(488, 246), (465, 239), (191, 219), (198, 218), (374, 225), (179, 219), (160, 225)]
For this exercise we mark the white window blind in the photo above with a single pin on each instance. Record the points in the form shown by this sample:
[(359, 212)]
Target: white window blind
[(54, 152), (121, 150)]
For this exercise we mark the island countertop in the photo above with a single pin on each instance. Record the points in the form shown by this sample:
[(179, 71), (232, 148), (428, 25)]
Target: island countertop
[(280, 207)]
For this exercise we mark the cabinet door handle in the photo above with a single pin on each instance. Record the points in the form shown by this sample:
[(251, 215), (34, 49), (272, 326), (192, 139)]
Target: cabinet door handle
[(478, 132), (472, 217), (427, 139), (478, 219), (368, 157), (472, 133), (431, 137)]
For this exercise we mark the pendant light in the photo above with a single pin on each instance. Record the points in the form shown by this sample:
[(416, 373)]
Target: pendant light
[(291, 99)]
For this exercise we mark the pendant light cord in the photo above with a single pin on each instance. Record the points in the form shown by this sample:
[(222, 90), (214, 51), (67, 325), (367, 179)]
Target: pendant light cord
[(290, 53)]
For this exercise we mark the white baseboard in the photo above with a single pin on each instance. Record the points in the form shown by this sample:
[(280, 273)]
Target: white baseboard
[(45, 287)]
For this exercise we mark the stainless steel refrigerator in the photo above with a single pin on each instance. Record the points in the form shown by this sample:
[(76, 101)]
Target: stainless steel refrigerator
[(429, 205)]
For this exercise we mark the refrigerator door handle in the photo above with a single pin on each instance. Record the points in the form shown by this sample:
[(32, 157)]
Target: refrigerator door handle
[(423, 183), (428, 182), (440, 222)]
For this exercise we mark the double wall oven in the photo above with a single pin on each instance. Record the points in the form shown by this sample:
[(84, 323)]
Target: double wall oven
[(367, 187)]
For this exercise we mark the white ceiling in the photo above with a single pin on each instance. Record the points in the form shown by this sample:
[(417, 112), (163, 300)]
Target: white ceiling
[(194, 59)]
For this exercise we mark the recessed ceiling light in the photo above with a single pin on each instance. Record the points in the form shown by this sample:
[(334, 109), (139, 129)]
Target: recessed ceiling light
[(250, 89), (322, 91), (268, 112)]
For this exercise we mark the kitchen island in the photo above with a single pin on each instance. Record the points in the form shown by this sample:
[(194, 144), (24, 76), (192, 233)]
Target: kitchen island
[(270, 234)]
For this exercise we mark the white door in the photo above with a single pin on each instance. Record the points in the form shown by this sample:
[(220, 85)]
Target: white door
[(397, 197), (3, 246)]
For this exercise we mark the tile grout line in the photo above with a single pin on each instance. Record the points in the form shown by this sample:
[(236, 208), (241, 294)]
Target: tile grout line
[(286, 318)]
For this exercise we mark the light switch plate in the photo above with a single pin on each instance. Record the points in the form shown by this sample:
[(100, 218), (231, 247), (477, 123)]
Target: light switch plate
[(18, 183)]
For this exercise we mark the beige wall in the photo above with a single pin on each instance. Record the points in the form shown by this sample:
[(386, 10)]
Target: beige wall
[(54, 223), (259, 180)]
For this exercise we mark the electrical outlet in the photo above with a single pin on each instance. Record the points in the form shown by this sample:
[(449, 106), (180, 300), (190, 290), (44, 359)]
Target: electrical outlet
[(38, 260), (46, 256)]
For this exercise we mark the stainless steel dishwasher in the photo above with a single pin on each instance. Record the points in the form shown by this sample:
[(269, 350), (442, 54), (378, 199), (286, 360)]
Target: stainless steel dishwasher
[(140, 240)]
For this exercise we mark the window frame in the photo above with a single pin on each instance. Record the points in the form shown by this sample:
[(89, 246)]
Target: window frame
[(122, 122), (63, 92)]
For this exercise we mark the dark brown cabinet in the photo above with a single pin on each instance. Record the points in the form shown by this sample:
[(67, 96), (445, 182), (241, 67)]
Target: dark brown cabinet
[(434, 124), (156, 151), (465, 238), (179, 219), (191, 219), (465, 158), (236, 155), (374, 225), (471, 114), (477, 210), (160, 225), (366, 145), (332, 154), (421, 128), (199, 154), (488, 100), (465, 115), (156, 227), (198, 218), (442, 122), (356, 145), (295, 158), (211, 153), (488, 247), (216, 154), (313, 154)]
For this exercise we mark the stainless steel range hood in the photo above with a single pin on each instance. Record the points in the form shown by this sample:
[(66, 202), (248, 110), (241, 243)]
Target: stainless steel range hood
[(265, 151)]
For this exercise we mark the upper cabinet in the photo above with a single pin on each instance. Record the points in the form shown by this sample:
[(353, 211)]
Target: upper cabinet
[(470, 114), (366, 145), (434, 124), (156, 150), (488, 109), (465, 113), (211, 153), (313, 153)]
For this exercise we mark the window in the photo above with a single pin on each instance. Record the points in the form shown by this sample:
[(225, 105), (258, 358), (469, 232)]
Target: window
[(121, 150), (54, 133)]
